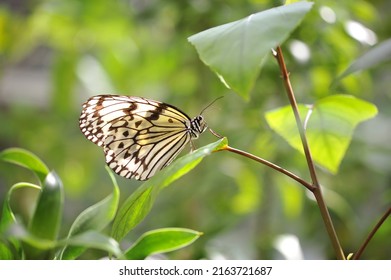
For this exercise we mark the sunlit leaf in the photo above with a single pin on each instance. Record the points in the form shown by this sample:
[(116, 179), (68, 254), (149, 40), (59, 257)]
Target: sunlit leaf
[(329, 128), (236, 50), (161, 241), (138, 205), (26, 159)]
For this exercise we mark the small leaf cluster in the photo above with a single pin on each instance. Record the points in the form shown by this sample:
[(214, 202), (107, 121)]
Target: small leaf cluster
[(39, 237)]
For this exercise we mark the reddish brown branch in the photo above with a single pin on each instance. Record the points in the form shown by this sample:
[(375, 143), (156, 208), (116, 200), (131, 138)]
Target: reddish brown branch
[(271, 165), (311, 165), (371, 234)]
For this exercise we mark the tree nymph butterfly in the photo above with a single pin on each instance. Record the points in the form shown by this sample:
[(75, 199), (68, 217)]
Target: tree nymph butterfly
[(139, 136)]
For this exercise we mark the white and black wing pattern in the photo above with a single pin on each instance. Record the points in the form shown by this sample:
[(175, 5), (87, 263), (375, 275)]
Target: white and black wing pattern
[(139, 136)]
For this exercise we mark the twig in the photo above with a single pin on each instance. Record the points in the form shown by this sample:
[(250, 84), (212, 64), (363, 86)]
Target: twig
[(371, 234), (311, 166), (272, 165)]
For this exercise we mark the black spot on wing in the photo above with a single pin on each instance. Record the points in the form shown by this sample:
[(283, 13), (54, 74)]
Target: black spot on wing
[(155, 114), (137, 124)]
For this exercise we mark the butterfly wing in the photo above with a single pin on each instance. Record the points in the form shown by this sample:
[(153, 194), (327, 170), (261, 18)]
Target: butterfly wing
[(139, 136)]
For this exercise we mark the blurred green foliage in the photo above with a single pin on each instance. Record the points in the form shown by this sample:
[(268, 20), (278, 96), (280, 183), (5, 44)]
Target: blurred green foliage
[(54, 54)]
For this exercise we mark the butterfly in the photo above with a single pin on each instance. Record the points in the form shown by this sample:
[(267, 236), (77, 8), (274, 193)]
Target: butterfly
[(139, 136)]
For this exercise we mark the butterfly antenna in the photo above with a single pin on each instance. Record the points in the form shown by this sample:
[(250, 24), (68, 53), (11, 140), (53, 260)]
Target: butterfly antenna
[(210, 104)]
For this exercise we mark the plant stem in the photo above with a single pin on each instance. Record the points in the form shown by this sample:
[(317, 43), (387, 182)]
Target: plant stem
[(272, 165), (288, 87), (371, 234), (311, 166)]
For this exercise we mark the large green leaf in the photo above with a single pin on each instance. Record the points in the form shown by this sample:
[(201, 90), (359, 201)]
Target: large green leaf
[(138, 205), (161, 241), (329, 126), (236, 50), (26, 159), (95, 217)]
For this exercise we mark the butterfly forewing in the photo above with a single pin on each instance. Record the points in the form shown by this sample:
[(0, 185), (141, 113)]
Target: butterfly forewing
[(139, 136)]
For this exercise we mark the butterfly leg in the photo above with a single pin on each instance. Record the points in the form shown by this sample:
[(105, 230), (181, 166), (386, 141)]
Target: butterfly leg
[(192, 146), (215, 133)]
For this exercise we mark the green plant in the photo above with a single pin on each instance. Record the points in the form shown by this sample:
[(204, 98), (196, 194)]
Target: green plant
[(39, 238), (321, 131)]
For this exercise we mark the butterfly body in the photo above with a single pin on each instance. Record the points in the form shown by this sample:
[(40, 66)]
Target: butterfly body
[(139, 136)]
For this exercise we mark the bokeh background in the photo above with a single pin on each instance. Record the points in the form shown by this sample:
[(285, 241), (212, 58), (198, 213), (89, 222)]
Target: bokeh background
[(54, 54)]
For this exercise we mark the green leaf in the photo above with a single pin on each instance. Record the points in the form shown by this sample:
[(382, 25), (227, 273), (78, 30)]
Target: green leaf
[(5, 252), (330, 125), (88, 239), (7, 216), (25, 159), (133, 211), (378, 54), (95, 217), (235, 51), (46, 220), (11, 245), (138, 205), (161, 241), (34, 247), (96, 240)]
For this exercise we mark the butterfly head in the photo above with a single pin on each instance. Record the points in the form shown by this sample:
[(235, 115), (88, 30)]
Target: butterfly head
[(197, 126)]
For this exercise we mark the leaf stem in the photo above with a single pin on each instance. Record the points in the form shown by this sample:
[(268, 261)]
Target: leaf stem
[(371, 234), (316, 189), (271, 165)]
